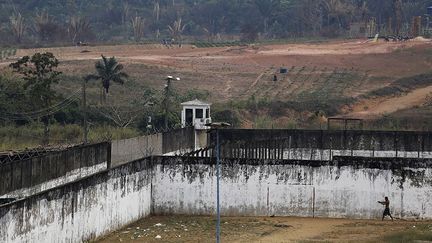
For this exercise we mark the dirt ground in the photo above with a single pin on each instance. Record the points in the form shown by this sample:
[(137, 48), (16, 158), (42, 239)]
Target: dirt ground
[(265, 229), (238, 72)]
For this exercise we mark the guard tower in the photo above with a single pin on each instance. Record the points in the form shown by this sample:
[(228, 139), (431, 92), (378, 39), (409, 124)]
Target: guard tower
[(197, 113)]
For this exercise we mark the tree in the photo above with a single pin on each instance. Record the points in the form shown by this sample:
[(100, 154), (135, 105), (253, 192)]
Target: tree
[(108, 70), (39, 73), (17, 26), (266, 8), (78, 28), (138, 28), (46, 28), (125, 11), (176, 30)]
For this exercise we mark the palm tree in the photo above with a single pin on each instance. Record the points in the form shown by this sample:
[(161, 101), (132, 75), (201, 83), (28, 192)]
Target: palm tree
[(176, 30), (108, 69), (17, 26), (138, 28)]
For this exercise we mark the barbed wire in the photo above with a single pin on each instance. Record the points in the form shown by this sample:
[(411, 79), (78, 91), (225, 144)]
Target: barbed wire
[(56, 145)]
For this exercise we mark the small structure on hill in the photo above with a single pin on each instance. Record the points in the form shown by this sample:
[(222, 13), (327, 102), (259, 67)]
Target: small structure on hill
[(196, 113)]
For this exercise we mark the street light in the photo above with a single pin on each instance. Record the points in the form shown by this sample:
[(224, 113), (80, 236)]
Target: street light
[(169, 78), (216, 126)]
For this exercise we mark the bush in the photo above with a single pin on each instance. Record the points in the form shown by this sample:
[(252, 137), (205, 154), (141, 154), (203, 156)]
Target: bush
[(229, 116)]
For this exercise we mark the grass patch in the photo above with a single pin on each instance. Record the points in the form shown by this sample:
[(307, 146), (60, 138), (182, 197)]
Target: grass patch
[(419, 233)]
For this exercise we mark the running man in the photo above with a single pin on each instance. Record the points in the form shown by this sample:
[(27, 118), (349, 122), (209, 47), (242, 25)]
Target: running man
[(386, 202)]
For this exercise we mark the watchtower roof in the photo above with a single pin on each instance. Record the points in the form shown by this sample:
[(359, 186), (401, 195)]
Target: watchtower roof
[(195, 102)]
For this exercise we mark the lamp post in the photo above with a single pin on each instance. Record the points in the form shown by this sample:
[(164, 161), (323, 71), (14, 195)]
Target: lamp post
[(216, 126), (167, 94)]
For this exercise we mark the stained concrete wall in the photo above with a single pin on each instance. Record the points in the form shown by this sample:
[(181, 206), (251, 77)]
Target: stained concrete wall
[(82, 210), (106, 201), (178, 140), (26, 176), (123, 151), (174, 141), (345, 187), (46, 185), (323, 139)]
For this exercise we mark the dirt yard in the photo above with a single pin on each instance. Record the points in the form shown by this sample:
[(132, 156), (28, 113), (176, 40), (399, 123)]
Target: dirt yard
[(270, 229)]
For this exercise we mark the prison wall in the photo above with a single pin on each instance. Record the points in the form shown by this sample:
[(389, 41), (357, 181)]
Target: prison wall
[(125, 150), (346, 187), (178, 140), (21, 178), (82, 210), (173, 141), (321, 144)]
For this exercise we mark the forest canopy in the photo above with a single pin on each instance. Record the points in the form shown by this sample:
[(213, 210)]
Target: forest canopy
[(70, 21)]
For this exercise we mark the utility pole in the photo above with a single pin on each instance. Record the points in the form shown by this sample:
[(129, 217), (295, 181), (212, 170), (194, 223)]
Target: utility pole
[(84, 109), (167, 97), (215, 127), (217, 187)]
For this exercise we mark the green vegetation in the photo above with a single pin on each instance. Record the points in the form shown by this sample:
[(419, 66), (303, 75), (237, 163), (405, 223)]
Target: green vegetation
[(34, 22), (108, 70), (8, 52), (417, 233), (39, 75), (13, 137), (39, 115)]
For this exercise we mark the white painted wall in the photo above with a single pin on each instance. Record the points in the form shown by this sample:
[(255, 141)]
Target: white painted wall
[(288, 190), (106, 201), (79, 211)]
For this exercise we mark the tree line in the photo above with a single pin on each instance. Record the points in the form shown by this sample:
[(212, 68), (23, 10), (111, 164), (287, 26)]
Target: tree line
[(71, 21)]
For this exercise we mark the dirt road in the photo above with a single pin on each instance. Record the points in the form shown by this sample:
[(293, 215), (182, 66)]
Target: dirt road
[(370, 109)]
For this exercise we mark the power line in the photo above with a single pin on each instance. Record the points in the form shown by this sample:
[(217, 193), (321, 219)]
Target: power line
[(43, 112)]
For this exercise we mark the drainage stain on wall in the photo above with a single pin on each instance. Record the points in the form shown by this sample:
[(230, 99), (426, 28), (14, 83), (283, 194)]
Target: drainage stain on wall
[(338, 189), (106, 201), (81, 210)]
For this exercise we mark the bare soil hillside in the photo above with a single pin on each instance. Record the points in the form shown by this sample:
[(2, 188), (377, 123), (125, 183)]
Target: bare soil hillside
[(318, 73)]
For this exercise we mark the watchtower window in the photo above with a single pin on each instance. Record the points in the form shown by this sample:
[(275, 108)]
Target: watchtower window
[(199, 113), (189, 116), (207, 113)]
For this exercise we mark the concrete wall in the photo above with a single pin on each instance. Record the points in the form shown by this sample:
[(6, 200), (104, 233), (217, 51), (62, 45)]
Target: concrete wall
[(23, 177), (178, 140), (323, 139), (82, 210), (123, 151), (320, 144), (345, 187), (170, 142), (46, 185)]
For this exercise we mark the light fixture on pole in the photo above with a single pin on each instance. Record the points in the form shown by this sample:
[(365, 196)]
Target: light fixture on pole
[(216, 126), (168, 79)]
